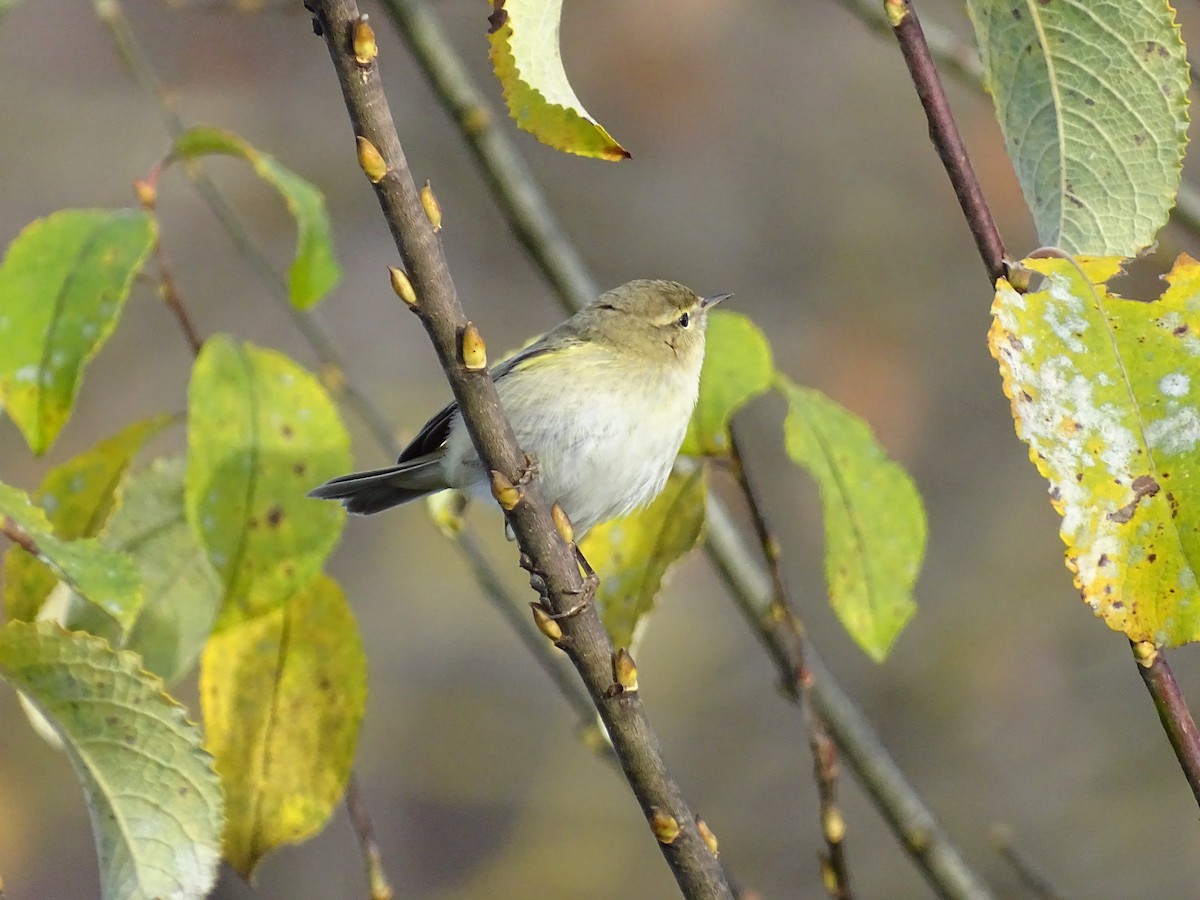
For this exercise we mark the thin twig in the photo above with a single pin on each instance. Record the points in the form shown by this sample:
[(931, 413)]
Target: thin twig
[(696, 869), (943, 131), (910, 819), (112, 14), (169, 291), (364, 831), (529, 215), (1031, 879), (1172, 709), (825, 758)]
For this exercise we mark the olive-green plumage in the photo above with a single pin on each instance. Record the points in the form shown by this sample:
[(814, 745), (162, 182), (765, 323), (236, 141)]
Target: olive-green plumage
[(601, 402)]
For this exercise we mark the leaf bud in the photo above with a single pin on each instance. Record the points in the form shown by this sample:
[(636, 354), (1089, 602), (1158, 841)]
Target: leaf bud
[(833, 824), (474, 352), (706, 834), (371, 160), (433, 209), (363, 41), (507, 494), (664, 825), (402, 286), (546, 623), (625, 671), (565, 529)]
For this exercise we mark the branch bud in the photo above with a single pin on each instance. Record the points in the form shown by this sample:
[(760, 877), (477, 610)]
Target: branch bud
[(565, 529), (706, 834), (371, 160), (833, 824), (474, 353), (1145, 653), (433, 209), (363, 42), (146, 192), (546, 623), (625, 671), (507, 494), (897, 11), (664, 825), (402, 286)]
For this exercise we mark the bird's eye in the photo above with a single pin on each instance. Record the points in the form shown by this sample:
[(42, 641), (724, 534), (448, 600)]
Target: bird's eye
[(683, 320)]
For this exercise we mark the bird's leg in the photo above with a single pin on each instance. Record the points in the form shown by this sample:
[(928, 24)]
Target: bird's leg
[(586, 594), (530, 470)]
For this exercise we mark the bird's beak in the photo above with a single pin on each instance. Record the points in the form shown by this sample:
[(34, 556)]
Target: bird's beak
[(709, 302)]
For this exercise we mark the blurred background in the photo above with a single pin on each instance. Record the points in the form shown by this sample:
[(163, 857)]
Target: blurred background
[(779, 152)]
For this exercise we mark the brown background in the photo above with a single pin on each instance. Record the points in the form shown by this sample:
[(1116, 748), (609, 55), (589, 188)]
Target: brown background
[(778, 152)]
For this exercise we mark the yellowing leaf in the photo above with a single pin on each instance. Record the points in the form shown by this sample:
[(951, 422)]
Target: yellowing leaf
[(1106, 392), (63, 283), (102, 577), (77, 497), (261, 432), (283, 696), (874, 521), (737, 368), (154, 800), (314, 271), (633, 554), (1092, 100), (526, 58)]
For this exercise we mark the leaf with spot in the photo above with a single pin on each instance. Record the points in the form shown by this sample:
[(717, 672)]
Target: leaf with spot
[(314, 270), (261, 432), (874, 520), (181, 588), (1092, 100), (78, 497), (1106, 392), (154, 800), (633, 554), (283, 697), (737, 368), (528, 63), (104, 578), (63, 284)]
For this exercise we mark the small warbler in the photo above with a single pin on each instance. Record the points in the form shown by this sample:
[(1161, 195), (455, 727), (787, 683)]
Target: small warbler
[(601, 403)]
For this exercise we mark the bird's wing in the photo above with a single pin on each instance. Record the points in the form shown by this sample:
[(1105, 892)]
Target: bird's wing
[(433, 434)]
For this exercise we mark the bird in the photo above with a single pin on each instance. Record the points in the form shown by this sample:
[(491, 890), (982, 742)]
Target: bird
[(601, 404)]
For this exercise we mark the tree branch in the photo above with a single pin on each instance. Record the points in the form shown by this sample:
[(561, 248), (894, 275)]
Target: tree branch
[(584, 639), (943, 131), (824, 753), (364, 833)]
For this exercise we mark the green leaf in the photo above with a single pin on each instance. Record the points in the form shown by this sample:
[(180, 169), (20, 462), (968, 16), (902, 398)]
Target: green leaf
[(153, 797), (63, 283), (283, 698), (1092, 100), (633, 554), (1105, 391), (182, 590), (101, 576), (261, 432), (314, 271), (737, 368), (77, 497), (874, 520), (528, 63)]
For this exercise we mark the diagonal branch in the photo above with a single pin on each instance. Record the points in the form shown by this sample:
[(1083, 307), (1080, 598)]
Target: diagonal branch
[(584, 639)]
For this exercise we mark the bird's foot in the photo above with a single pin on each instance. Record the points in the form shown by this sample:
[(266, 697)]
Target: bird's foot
[(530, 470)]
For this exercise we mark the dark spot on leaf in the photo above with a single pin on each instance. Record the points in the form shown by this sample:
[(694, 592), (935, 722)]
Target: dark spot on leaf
[(1088, 101), (288, 569), (1180, 331), (1055, 494), (111, 721), (1117, 605), (1016, 14), (1124, 514), (1026, 396), (1108, 590), (1015, 342), (1174, 504), (1075, 200), (130, 739), (1103, 560), (498, 18), (1151, 557), (252, 522), (324, 684), (300, 468), (275, 516), (1144, 486), (183, 792), (1079, 476), (1139, 139), (286, 431)]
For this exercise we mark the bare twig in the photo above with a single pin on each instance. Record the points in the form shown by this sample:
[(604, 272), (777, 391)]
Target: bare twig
[(364, 832), (1172, 709), (825, 759), (1031, 879), (585, 641), (910, 819), (943, 131)]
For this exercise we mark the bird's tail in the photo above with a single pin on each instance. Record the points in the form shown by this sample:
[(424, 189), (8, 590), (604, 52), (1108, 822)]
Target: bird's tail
[(365, 493)]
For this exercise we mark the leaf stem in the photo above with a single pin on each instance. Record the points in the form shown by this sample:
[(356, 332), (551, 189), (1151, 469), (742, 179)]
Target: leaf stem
[(824, 752), (364, 832), (553, 562), (943, 131), (1172, 709)]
